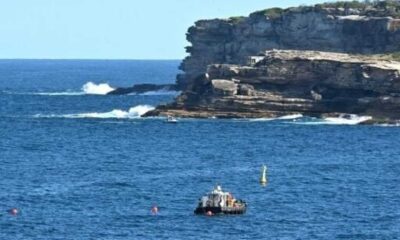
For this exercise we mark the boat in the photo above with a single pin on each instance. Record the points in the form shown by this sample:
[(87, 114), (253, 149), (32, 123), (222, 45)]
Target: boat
[(171, 119), (220, 202)]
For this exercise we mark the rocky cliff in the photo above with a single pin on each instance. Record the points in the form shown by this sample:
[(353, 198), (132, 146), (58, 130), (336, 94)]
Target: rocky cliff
[(327, 63), (366, 29)]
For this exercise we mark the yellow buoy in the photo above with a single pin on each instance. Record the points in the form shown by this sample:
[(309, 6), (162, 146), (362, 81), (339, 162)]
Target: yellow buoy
[(263, 177)]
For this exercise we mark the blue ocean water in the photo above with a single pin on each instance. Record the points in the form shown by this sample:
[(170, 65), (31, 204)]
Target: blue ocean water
[(83, 166)]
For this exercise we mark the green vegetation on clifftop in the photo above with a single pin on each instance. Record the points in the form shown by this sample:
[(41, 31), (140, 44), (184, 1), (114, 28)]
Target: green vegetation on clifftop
[(237, 19), (345, 4), (270, 12), (367, 8)]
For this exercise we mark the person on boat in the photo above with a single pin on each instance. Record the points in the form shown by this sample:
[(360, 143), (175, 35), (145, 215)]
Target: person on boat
[(229, 200), (204, 201)]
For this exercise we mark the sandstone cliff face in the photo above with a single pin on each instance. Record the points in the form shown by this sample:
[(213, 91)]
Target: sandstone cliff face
[(315, 61), (307, 28), (289, 82)]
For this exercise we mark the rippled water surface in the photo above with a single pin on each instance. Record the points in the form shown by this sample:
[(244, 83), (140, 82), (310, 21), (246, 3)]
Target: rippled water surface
[(81, 166)]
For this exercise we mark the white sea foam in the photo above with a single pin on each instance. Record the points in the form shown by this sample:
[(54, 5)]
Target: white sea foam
[(261, 119), (96, 89), (348, 119), (157, 93), (388, 125), (161, 92), (287, 117), (134, 112), (290, 117), (59, 93)]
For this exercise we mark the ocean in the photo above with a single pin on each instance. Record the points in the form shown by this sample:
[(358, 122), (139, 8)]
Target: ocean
[(79, 164)]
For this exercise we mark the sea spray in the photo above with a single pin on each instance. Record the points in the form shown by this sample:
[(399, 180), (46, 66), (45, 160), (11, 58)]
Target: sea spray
[(139, 110), (96, 89)]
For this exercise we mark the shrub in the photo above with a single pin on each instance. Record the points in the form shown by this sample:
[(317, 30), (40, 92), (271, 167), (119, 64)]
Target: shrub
[(345, 4), (237, 19)]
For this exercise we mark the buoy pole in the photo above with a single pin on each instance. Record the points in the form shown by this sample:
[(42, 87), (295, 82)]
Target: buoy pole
[(263, 177)]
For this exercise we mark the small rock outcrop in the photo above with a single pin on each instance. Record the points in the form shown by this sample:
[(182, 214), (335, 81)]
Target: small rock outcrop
[(221, 87), (143, 88)]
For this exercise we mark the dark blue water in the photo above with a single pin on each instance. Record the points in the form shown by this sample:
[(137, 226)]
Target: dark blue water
[(87, 167)]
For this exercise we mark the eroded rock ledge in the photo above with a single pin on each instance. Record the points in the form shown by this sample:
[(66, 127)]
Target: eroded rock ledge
[(283, 82)]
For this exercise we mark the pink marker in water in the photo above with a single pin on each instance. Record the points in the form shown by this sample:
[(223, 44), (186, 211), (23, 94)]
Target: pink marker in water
[(13, 211)]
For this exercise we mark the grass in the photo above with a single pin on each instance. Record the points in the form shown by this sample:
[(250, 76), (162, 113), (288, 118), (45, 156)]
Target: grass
[(237, 19), (270, 12)]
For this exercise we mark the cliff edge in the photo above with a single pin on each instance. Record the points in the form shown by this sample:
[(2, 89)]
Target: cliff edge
[(322, 59)]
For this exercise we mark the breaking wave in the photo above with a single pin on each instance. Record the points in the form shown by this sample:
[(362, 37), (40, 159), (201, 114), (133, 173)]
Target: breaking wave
[(96, 89), (345, 119), (351, 120), (134, 112), (348, 119), (290, 117), (287, 117)]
